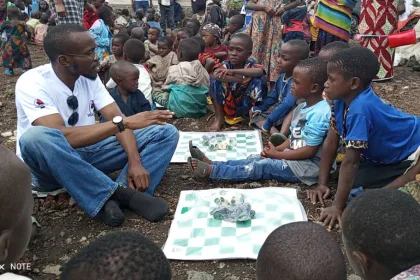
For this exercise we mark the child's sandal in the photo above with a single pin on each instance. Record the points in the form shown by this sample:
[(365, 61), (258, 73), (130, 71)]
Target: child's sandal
[(201, 172), (195, 151)]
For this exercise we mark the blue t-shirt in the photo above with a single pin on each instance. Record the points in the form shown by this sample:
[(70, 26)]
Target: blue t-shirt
[(385, 134)]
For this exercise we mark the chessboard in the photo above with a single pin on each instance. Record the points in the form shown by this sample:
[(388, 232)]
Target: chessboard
[(196, 235), (248, 142)]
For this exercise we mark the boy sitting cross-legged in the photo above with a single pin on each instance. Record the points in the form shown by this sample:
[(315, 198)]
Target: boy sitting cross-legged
[(237, 84), (271, 111), (297, 159), (185, 88), (380, 140)]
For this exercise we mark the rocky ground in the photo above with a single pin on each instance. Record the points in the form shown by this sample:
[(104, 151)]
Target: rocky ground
[(65, 228)]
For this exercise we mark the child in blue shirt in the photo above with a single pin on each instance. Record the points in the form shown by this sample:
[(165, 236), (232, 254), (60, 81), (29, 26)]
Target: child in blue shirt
[(270, 112), (379, 139), (298, 158)]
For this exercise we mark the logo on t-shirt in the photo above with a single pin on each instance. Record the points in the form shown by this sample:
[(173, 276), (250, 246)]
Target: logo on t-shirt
[(91, 108), (39, 103), (297, 140)]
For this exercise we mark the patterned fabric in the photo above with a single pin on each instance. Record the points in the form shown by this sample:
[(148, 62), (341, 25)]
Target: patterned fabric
[(265, 32), (213, 29), (74, 10), (238, 98), (334, 17), (380, 17), (202, 57), (324, 38), (159, 67), (3, 14), (15, 51), (410, 274), (103, 37)]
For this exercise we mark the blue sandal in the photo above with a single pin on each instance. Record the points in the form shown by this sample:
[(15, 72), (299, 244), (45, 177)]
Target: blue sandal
[(9, 72)]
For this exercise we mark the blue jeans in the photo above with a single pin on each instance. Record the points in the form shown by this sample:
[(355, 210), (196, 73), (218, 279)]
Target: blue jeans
[(167, 17), (82, 172), (254, 168), (141, 5)]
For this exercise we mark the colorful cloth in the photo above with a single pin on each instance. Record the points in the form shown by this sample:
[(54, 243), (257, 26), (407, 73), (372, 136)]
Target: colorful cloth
[(380, 17), (202, 57), (334, 17), (265, 32), (74, 12), (238, 98), (213, 29), (15, 51), (410, 274), (103, 37), (3, 14), (324, 38), (89, 18)]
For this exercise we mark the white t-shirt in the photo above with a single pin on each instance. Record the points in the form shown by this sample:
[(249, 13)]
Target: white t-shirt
[(11, 276), (39, 93), (145, 83)]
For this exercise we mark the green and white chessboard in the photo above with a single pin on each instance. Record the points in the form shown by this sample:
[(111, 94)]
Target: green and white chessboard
[(248, 142), (195, 235)]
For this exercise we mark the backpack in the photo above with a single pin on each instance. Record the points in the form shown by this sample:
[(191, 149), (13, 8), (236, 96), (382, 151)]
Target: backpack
[(221, 20)]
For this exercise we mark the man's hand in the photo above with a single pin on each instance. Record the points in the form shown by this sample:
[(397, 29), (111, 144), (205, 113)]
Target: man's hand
[(319, 193), (270, 151), (330, 216), (145, 119), (61, 10), (137, 177)]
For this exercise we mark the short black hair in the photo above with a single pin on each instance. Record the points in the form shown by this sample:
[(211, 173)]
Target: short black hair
[(187, 31), (190, 49), (44, 18), (196, 24), (119, 255), (130, 28), (57, 39), (233, 13), (384, 225), (13, 11), (36, 14), (356, 62), (150, 17), (137, 33), (301, 47), (237, 20), (155, 28), (104, 12), (201, 42), (122, 37), (301, 250), (134, 50), (247, 40), (125, 12), (317, 69), (335, 47), (140, 14), (167, 41)]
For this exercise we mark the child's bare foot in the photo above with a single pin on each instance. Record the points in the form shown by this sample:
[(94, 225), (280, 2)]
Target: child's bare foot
[(217, 123), (201, 170)]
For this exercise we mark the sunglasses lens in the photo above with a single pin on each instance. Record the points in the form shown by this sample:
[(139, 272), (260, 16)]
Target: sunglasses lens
[(72, 102), (74, 118)]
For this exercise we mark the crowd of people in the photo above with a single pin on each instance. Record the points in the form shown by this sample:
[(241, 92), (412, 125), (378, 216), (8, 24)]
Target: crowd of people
[(114, 81)]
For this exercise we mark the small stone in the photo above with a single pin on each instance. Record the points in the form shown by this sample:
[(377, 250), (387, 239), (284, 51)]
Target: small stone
[(255, 185), (83, 239), (65, 258), (199, 275), (7, 134), (62, 234), (34, 258), (15, 133), (354, 277), (68, 240), (101, 234), (35, 270), (1, 104), (72, 202), (52, 269), (12, 138), (222, 265), (79, 219), (184, 177)]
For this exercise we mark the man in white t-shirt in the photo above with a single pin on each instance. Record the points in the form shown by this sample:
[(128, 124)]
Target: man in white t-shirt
[(63, 146)]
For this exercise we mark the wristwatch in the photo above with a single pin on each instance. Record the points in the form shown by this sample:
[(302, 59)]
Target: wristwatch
[(118, 121)]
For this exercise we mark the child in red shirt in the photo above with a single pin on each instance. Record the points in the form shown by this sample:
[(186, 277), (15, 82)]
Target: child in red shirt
[(211, 34)]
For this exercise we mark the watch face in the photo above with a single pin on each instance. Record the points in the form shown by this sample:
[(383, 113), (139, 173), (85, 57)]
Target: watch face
[(117, 119)]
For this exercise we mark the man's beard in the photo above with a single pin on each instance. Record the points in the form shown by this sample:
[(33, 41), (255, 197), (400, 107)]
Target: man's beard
[(74, 70)]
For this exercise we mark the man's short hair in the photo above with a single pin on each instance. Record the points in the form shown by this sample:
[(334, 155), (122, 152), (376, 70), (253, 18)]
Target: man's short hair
[(301, 250), (134, 50), (57, 39), (384, 225), (119, 255)]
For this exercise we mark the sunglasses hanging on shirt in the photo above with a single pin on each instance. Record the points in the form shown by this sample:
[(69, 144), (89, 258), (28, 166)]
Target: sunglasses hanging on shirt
[(73, 104)]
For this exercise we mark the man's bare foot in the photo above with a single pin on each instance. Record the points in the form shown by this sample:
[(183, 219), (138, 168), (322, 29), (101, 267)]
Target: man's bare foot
[(217, 123)]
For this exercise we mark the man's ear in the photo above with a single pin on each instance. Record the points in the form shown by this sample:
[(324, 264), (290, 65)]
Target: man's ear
[(362, 261), (355, 83), (4, 245), (63, 60)]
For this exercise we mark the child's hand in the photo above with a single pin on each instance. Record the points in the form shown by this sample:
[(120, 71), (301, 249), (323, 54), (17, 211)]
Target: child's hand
[(222, 73), (270, 151), (252, 114), (269, 11), (280, 11)]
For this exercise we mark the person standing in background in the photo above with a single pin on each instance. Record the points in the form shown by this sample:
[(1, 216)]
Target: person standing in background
[(167, 20), (380, 18), (141, 4), (68, 11)]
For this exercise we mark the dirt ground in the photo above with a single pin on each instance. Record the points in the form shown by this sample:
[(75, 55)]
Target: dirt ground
[(65, 228)]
